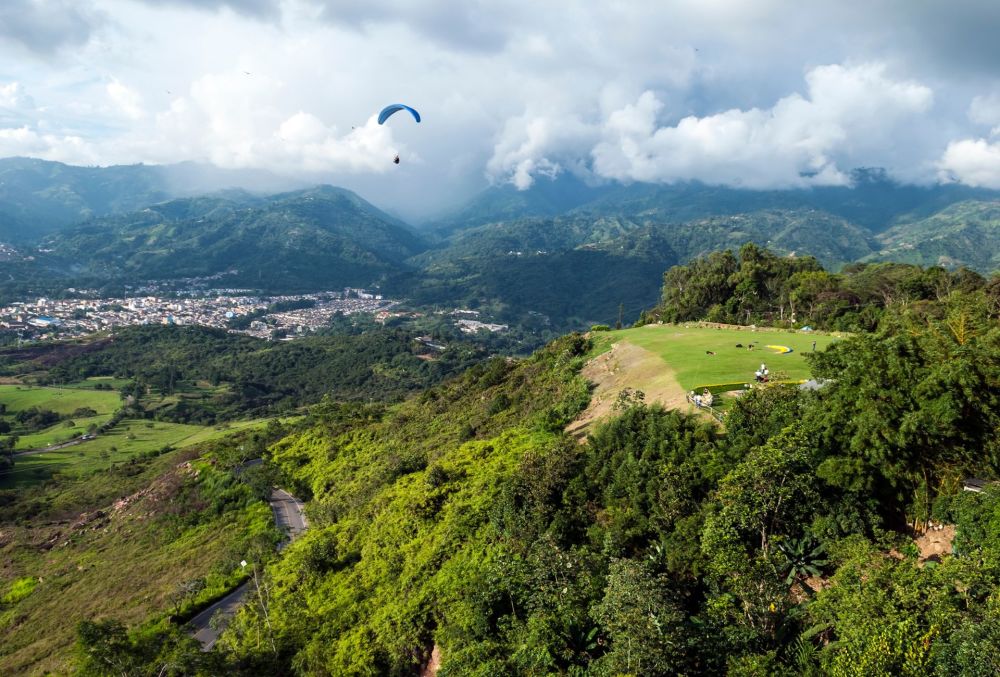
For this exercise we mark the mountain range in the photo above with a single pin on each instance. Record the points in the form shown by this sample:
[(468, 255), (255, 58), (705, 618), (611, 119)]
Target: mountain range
[(317, 238), (560, 254)]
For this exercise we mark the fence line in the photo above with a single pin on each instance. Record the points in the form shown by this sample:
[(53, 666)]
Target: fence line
[(716, 414)]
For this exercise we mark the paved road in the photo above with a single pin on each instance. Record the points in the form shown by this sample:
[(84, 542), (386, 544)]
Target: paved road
[(291, 521), (55, 447), (288, 514)]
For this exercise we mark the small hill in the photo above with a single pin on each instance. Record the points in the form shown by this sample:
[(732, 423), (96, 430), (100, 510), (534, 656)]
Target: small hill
[(577, 269), (323, 237), (833, 240), (572, 273)]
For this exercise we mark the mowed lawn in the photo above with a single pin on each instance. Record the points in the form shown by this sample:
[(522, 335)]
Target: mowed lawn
[(59, 400), (686, 350)]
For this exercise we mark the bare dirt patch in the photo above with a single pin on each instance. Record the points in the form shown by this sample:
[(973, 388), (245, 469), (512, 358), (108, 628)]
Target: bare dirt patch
[(433, 664), (935, 542), (626, 366)]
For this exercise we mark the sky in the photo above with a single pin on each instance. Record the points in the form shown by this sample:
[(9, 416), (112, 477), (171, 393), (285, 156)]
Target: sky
[(762, 94)]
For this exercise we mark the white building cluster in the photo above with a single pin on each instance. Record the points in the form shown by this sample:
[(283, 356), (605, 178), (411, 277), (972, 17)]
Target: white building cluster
[(65, 318)]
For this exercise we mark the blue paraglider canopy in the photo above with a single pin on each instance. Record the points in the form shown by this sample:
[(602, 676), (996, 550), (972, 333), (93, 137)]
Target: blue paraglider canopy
[(389, 110)]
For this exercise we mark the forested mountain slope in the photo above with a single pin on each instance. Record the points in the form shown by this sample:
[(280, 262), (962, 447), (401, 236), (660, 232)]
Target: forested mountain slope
[(465, 523), (322, 238), (38, 197), (963, 234), (873, 201), (208, 375)]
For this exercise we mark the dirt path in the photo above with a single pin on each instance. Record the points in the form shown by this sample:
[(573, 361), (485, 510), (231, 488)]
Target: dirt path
[(626, 366)]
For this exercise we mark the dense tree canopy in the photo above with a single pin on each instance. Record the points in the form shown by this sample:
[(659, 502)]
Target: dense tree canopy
[(465, 523)]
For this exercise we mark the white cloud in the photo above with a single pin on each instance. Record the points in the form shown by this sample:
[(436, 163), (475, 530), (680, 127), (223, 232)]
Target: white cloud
[(510, 91), (532, 146), (846, 118), (24, 141), (127, 100), (974, 162), (232, 120), (13, 96)]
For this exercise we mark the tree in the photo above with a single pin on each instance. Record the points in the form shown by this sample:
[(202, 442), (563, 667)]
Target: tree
[(771, 492), (643, 622), (915, 403)]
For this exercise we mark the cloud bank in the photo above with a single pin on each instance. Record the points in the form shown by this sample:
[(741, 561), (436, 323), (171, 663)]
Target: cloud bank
[(761, 95)]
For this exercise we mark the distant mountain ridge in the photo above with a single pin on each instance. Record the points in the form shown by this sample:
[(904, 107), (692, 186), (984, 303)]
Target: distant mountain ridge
[(563, 253), (873, 201), (38, 197), (319, 238), (962, 234)]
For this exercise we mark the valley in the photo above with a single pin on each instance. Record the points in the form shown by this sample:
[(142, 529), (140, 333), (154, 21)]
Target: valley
[(559, 256), (499, 338)]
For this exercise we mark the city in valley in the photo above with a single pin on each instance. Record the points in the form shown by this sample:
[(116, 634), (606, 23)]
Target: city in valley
[(269, 316)]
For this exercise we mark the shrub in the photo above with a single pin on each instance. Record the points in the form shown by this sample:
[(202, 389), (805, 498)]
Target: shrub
[(19, 589)]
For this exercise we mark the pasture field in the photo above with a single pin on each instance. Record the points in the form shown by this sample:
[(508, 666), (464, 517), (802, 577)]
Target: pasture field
[(686, 350), (94, 381), (59, 400), (129, 439), (60, 432)]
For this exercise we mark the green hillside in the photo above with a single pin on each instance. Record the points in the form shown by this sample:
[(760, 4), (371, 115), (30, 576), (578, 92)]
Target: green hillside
[(140, 539), (61, 400), (465, 524), (323, 238), (577, 270), (38, 197), (963, 234)]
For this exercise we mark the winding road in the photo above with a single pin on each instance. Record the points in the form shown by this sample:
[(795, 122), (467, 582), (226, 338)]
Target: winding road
[(291, 521)]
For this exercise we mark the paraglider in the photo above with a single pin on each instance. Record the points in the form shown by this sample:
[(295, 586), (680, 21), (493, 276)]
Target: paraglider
[(389, 110), (392, 109)]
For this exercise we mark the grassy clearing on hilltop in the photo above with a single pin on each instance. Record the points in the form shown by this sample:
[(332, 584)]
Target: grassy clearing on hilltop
[(686, 350)]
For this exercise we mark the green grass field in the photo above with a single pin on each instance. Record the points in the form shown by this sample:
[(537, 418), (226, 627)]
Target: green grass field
[(60, 432), (94, 381), (60, 400), (685, 350), (115, 447)]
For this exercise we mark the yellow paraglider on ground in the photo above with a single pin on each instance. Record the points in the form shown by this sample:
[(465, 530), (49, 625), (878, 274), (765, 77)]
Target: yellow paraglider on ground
[(780, 350)]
